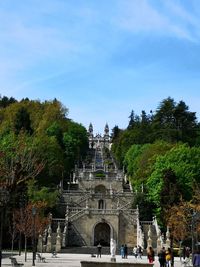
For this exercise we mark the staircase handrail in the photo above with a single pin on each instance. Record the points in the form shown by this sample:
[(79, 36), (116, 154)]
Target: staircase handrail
[(131, 213), (77, 215), (121, 200), (81, 199), (104, 211), (80, 236), (125, 207)]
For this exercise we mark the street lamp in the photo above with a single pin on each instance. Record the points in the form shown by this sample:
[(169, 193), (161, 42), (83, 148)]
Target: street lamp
[(34, 249), (3, 200)]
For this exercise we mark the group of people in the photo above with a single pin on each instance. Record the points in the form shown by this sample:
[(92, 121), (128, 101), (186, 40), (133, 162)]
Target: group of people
[(124, 251), (165, 257), (138, 252)]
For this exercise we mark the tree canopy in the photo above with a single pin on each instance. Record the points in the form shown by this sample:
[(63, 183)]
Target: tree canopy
[(38, 142), (161, 156)]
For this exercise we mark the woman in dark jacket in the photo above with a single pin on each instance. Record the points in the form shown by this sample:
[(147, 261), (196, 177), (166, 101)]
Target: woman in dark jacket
[(161, 257)]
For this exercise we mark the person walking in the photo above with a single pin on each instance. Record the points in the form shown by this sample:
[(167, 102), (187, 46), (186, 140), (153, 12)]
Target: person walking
[(125, 251), (168, 257), (150, 255), (135, 251), (122, 251), (161, 257), (99, 248), (184, 252), (139, 252)]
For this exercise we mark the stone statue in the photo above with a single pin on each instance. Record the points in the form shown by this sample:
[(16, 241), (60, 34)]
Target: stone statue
[(112, 248)]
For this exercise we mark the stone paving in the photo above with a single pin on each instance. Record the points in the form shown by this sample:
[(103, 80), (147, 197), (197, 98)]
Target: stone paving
[(73, 260)]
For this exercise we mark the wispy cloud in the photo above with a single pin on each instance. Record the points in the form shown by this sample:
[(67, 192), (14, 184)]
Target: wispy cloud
[(34, 39), (99, 55), (171, 19)]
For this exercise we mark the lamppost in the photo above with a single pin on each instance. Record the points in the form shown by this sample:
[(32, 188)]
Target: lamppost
[(3, 200), (34, 248)]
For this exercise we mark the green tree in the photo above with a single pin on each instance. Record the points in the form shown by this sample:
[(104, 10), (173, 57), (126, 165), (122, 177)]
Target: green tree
[(140, 160), (43, 194), (183, 163), (132, 121), (6, 101), (22, 121), (174, 122), (51, 153), (186, 124), (115, 133), (56, 130)]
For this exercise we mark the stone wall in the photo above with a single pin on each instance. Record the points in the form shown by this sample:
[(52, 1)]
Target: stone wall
[(87, 223), (113, 264)]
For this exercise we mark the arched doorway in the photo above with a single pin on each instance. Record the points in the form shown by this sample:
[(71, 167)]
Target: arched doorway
[(102, 234)]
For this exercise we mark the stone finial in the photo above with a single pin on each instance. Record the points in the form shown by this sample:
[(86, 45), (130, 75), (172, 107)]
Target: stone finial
[(58, 243), (149, 241), (64, 236), (58, 238), (40, 244), (168, 237), (49, 239), (159, 241), (149, 231)]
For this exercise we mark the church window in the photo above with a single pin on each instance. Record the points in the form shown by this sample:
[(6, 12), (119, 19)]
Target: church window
[(101, 204)]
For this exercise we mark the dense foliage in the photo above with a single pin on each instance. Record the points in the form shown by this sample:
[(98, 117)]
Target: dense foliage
[(161, 156), (38, 142)]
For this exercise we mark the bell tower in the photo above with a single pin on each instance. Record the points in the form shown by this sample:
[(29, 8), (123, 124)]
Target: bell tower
[(90, 130), (90, 135), (106, 130), (106, 136)]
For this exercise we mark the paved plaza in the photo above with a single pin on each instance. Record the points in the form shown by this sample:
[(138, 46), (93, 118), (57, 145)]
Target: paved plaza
[(73, 260)]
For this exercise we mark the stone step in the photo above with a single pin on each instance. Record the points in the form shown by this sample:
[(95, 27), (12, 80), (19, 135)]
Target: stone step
[(92, 250)]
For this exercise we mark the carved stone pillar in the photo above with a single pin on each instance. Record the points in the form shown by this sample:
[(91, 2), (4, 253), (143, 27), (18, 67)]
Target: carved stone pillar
[(49, 240), (159, 244), (40, 244), (149, 241), (168, 237), (58, 239), (64, 238)]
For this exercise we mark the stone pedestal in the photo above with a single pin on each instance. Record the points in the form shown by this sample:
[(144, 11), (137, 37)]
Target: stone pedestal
[(113, 259), (39, 246)]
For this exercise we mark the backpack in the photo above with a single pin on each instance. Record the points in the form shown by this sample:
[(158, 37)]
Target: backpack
[(168, 257)]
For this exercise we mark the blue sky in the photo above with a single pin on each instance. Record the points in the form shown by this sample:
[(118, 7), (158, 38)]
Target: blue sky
[(101, 58)]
